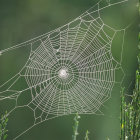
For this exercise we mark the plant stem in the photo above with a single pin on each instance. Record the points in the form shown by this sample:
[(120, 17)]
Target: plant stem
[(75, 127)]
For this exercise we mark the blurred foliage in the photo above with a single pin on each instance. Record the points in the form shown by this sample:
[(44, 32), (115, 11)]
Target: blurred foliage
[(3, 127), (130, 112)]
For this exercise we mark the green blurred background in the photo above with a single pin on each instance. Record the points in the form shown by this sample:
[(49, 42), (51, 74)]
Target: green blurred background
[(22, 20)]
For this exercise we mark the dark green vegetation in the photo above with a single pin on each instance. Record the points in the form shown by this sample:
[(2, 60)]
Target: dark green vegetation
[(3, 127), (130, 111)]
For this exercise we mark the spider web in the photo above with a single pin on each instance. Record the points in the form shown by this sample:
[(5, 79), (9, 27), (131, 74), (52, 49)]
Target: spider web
[(69, 70)]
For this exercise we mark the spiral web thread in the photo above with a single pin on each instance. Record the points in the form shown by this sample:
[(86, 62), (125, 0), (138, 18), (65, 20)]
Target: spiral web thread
[(69, 70)]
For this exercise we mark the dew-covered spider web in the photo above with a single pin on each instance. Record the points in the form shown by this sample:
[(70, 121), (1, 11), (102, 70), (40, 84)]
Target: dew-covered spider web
[(69, 70)]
